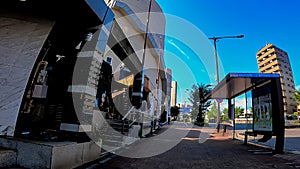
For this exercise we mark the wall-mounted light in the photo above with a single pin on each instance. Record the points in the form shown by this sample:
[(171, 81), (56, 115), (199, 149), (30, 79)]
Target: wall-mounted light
[(78, 46), (89, 36), (122, 65), (59, 57)]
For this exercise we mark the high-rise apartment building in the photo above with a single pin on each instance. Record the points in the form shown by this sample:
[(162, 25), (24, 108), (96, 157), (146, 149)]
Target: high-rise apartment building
[(271, 59), (174, 93)]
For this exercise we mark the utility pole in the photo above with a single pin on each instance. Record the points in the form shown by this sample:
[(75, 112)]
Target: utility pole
[(215, 39)]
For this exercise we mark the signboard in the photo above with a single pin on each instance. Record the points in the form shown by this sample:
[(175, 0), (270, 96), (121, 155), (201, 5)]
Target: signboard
[(109, 60), (111, 3), (219, 100), (262, 109)]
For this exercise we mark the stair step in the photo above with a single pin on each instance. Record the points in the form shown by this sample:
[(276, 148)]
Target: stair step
[(118, 125), (8, 158), (111, 137), (112, 143), (111, 149)]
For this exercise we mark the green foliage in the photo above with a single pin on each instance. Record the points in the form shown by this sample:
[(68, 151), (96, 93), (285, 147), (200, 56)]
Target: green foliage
[(203, 102), (213, 113), (238, 111), (163, 116), (225, 111), (174, 112), (225, 117), (297, 96), (194, 97), (194, 114), (200, 119), (200, 103)]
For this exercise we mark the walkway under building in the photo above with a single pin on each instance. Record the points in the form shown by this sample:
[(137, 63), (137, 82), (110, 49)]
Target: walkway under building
[(215, 152)]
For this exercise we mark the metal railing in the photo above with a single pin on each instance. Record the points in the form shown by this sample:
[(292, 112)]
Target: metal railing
[(136, 115), (131, 116)]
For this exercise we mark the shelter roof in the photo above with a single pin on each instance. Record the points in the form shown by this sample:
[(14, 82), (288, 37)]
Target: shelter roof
[(235, 84)]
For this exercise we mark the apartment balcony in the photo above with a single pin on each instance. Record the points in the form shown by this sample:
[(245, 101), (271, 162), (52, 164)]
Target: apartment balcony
[(270, 67), (265, 55), (268, 61)]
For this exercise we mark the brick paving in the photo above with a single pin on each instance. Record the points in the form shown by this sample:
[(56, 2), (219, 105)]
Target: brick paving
[(217, 152), (291, 143)]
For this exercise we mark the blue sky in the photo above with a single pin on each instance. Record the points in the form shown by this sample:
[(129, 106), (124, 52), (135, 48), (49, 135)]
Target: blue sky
[(186, 50)]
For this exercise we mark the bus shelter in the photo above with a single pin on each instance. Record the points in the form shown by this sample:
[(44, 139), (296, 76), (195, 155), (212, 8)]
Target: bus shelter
[(267, 102)]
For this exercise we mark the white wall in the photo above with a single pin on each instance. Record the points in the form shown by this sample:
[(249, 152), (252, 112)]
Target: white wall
[(21, 40)]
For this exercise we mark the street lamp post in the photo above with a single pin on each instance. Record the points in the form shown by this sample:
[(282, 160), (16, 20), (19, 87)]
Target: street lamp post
[(217, 69)]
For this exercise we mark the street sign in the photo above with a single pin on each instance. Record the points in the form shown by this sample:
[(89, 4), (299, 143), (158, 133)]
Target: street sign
[(219, 100)]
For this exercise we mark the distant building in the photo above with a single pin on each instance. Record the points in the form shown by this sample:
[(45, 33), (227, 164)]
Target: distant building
[(169, 89), (272, 59), (130, 58), (174, 93)]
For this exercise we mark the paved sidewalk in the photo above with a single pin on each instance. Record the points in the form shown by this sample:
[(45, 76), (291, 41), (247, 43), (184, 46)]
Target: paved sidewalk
[(217, 152), (291, 143)]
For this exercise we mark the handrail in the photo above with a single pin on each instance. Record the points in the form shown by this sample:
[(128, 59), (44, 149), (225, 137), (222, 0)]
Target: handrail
[(133, 117), (132, 111), (132, 123), (125, 116)]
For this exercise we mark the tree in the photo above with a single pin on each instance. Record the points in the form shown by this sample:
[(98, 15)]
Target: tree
[(251, 110), (297, 96), (163, 117), (225, 114), (199, 102), (204, 103), (225, 111), (194, 97), (194, 114), (238, 111), (213, 113), (174, 112)]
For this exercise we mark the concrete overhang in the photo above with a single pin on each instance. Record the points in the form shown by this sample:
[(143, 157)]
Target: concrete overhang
[(86, 13), (121, 46), (153, 37), (235, 84)]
